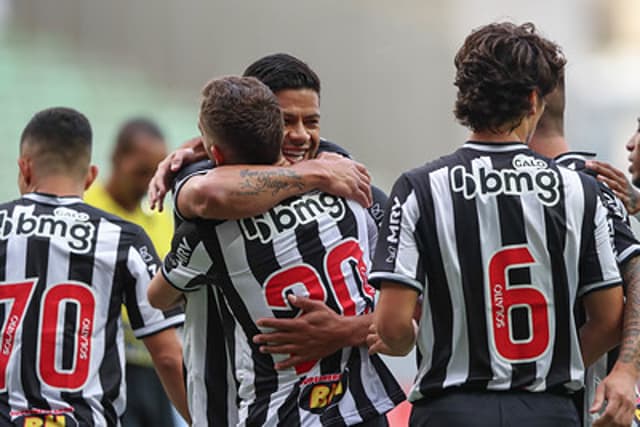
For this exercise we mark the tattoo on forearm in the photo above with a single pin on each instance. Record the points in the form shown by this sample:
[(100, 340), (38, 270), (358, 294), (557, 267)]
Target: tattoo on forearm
[(633, 196), (630, 349), (256, 182)]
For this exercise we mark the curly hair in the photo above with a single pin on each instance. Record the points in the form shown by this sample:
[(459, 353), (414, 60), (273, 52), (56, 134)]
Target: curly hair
[(497, 67)]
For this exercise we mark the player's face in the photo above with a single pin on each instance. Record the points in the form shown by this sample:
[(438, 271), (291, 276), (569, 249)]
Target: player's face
[(301, 112), (136, 168), (634, 158)]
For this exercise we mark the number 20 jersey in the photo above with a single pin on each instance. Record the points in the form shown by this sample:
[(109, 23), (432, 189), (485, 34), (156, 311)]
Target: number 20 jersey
[(501, 242), (66, 268), (313, 245)]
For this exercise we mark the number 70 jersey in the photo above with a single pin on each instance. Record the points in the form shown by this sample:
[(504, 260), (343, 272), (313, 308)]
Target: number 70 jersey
[(66, 268), (501, 242)]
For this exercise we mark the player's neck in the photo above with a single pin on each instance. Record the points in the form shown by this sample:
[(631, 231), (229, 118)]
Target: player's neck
[(496, 138), (551, 145), (58, 186)]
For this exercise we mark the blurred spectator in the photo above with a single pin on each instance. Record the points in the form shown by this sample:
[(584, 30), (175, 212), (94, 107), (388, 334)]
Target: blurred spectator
[(139, 147)]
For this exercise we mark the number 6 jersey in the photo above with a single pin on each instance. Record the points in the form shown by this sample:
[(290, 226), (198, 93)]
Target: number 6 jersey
[(65, 270), (314, 245), (500, 242)]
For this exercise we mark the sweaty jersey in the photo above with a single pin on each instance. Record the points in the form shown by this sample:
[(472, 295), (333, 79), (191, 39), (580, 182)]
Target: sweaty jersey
[(313, 245), (65, 270), (501, 242)]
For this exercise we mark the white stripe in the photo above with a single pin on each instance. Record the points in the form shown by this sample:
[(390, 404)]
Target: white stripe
[(574, 213), (622, 256), (16, 271), (106, 255), (458, 366), (52, 200), (197, 311)]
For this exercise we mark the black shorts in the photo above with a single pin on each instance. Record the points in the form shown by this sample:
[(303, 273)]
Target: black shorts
[(495, 409)]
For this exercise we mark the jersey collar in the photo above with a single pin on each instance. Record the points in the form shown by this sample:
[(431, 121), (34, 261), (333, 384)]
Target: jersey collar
[(495, 147), (575, 155), (52, 199)]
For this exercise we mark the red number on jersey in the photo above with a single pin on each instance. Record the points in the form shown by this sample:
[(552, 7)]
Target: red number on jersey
[(335, 262), (56, 295), (505, 298), (20, 294)]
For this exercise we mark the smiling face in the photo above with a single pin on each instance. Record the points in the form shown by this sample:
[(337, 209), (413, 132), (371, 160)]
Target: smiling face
[(301, 113), (634, 158)]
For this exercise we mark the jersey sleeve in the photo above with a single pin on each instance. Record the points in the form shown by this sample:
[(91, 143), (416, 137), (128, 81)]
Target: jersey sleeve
[(183, 175), (142, 263), (188, 264), (397, 255), (598, 266), (376, 210), (624, 242)]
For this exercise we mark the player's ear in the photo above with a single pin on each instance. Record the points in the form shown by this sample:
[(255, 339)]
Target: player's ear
[(24, 174), (92, 173), (536, 101), (217, 154)]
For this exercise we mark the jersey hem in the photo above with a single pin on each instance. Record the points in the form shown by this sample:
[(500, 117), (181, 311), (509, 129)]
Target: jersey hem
[(159, 327), (627, 254), (177, 189), (377, 277), (599, 286), (165, 274)]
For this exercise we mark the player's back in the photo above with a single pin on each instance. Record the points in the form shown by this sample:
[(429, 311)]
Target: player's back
[(65, 270), (509, 243), (314, 245)]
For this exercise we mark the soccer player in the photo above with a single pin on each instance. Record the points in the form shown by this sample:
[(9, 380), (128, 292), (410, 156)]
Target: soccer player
[(139, 147), (618, 389), (314, 245), (65, 270), (500, 242), (233, 192)]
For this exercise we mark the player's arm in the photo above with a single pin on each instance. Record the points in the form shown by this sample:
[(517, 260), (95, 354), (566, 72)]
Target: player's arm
[(166, 353), (240, 191), (162, 295), (603, 328), (393, 321), (618, 388)]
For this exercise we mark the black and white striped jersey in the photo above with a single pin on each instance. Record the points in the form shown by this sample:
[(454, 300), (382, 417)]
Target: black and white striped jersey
[(314, 245), (625, 244), (500, 242), (65, 270), (626, 247)]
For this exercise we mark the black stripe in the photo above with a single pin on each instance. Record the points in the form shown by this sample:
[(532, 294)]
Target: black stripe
[(36, 266), (289, 412), (391, 386), (266, 377), (81, 270), (472, 274), (215, 367), (590, 270), (437, 295), (555, 228), (513, 232)]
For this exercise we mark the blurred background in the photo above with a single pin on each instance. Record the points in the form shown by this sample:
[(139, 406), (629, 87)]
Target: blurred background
[(386, 68)]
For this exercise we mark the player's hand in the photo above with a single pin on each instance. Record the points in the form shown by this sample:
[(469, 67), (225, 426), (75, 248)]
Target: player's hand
[(375, 343), (619, 184), (345, 178), (313, 335), (190, 152), (618, 390)]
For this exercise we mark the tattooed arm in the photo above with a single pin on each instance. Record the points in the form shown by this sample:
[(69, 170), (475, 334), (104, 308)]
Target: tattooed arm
[(240, 191), (618, 387)]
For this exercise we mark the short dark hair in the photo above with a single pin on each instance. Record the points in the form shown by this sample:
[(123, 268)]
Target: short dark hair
[(61, 141), (281, 71), (243, 117), (131, 129), (552, 120), (497, 67)]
